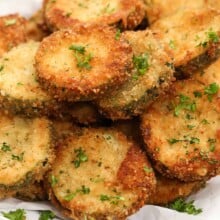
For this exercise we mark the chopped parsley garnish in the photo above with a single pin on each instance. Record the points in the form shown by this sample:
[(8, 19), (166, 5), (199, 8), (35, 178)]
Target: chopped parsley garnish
[(147, 169), (192, 140), (185, 103), (172, 44), (10, 22), (5, 147), (173, 141), (211, 90), (18, 214), (212, 143), (53, 180), (197, 94), (17, 157), (211, 36), (141, 64), (182, 206), (190, 127), (83, 59), (83, 190), (205, 122), (171, 65), (47, 215), (118, 34), (68, 14), (112, 199), (81, 157)]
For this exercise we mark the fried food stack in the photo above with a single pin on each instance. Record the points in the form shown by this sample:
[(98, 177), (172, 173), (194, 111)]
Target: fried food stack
[(108, 106)]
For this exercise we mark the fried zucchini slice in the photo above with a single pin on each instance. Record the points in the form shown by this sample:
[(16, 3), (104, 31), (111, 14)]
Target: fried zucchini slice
[(26, 150), (191, 36), (20, 93), (182, 129), (12, 32), (113, 182), (157, 9), (151, 75), (61, 14), (36, 28), (79, 66), (168, 190), (32, 192)]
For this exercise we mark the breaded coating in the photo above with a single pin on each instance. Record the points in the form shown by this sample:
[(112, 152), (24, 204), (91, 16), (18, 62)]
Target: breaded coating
[(151, 75), (84, 113), (61, 14), (79, 66), (191, 36), (157, 9), (20, 93), (168, 190), (26, 151), (36, 28), (12, 32), (115, 175), (182, 129), (32, 192)]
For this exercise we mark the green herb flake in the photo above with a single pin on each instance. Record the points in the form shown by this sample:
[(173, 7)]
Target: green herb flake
[(78, 48), (5, 147), (18, 214), (68, 14), (211, 90), (10, 22), (112, 199), (172, 44), (47, 215), (212, 143), (141, 63), (190, 127), (204, 122), (18, 157), (194, 140), (211, 36), (117, 34), (173, 141), (53, 180), (83, 190), (147, 169), (185, 103), (182, 206), (197, 94), (81, 157)]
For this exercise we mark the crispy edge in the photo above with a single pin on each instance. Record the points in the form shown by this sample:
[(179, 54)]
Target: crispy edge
[(119, 61), (129, 17)]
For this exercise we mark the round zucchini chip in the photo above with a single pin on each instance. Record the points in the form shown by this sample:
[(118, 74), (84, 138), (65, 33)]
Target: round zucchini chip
[(20, 93), (151, 76), (61, 14), (79, 66), (182, 129), (168, 190), (26, 150), (99, 174), (12, 32)]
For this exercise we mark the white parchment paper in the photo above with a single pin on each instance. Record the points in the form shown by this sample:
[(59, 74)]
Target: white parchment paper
[(208, 198)]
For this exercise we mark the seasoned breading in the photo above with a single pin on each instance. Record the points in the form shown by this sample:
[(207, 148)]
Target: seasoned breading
[(61, 14), (32, 192), (191, 36), (12, 32), (151, 75), (182, 129), (157, 9), (82, 65), (20, 93), (36, 28), (168, 190), (115, 176), (26, 150)]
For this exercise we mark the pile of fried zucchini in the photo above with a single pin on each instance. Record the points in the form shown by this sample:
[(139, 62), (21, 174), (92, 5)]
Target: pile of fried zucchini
[(106, 106)]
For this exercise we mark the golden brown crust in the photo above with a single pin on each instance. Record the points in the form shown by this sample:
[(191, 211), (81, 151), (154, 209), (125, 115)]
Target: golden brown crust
[(36, 28), (188, 37), (12, 32), (116, 189), (168, 190), (61, 73), (181, 130), (133, 97), (61, 14)]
